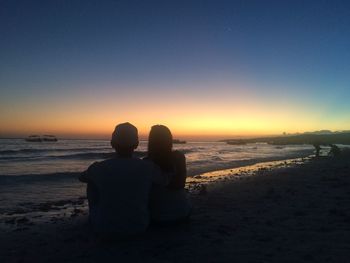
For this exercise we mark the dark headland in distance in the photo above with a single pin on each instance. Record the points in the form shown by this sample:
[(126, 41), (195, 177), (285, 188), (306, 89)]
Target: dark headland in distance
[(319, 138)]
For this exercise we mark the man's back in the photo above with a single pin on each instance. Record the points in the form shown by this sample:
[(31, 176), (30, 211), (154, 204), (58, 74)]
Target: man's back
[(123, 186)]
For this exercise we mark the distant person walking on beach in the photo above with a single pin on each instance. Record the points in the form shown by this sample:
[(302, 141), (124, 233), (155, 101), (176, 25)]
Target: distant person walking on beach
[(168, 204), (317, 149), (118, 188), (334, 151)]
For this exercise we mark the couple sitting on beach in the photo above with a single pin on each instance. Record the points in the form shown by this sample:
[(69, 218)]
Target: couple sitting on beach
[(125, 194)]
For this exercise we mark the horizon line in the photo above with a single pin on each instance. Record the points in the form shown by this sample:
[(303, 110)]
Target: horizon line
[(194, 137)]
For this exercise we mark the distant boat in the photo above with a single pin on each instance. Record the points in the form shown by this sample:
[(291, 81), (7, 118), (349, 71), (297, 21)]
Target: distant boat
[(176, 141), (33, 138), (49, 138), (44, 138)]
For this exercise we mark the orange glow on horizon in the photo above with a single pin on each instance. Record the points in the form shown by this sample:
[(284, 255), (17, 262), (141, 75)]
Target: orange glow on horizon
[(94, 115), (185, 122)]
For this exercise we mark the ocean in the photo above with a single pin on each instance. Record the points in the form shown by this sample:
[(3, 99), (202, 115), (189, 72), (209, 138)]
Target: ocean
[(18, 157), (39, 172)]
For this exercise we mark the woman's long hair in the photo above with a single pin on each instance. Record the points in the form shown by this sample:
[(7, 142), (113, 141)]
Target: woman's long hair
[(160, 145)]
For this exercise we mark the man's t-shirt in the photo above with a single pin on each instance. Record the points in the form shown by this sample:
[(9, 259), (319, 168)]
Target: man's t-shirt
[(123, 187)]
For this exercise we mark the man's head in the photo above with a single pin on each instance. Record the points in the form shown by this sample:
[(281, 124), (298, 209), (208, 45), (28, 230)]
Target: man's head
[(125, 139)]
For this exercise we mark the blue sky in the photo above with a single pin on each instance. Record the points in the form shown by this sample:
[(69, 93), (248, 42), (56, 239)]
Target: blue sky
[(293, 52)]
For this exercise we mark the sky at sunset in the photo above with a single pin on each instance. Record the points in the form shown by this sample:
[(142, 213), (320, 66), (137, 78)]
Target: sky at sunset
[(206, 69)]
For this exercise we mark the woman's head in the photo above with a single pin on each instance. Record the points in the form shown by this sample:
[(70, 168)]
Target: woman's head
[(160, 141)]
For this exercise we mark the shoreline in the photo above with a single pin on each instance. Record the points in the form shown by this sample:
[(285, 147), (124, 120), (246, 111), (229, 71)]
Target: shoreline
[(243, 163), (247, 169), (32, 209)]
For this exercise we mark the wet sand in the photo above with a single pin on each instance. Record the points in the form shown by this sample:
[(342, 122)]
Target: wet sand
[(294, 211)]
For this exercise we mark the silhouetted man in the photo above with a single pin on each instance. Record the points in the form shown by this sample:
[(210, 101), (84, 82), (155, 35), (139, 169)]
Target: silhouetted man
[(118, 188)]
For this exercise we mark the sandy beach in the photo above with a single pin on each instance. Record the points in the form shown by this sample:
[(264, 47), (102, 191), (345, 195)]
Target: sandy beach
[(294, 211)]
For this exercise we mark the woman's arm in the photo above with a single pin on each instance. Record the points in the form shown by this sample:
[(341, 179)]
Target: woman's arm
[(179, 179)]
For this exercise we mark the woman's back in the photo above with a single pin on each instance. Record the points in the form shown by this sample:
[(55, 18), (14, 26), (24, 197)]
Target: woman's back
[(168, 203)]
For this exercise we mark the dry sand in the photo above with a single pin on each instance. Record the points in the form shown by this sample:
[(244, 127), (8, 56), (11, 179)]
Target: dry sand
[(287, 212)]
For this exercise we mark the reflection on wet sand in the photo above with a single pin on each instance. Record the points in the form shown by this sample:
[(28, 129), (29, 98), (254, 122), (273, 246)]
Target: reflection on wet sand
[(198, 182)]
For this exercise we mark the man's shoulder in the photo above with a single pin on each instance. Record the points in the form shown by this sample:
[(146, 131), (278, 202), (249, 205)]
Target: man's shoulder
[(119, 165), (98, 165), (120, 161)]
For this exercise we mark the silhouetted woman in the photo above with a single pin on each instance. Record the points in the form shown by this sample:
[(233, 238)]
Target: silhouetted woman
[(168, 204)]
